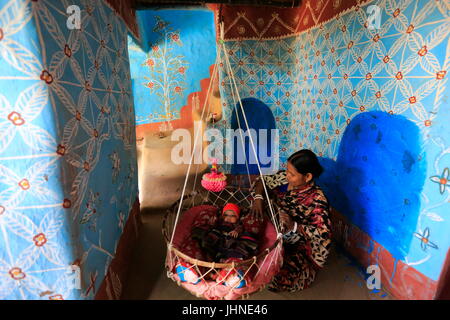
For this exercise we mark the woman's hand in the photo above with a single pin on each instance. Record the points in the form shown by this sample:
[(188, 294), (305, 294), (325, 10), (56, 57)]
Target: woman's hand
[(257, 209), (233, 234), (287, 224)]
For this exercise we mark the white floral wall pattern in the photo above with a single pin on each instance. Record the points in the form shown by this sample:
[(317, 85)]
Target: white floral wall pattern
[(319, 80), (65, 108)]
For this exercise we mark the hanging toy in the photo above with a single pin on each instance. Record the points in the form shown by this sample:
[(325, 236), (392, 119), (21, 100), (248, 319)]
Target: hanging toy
[(214, 181)]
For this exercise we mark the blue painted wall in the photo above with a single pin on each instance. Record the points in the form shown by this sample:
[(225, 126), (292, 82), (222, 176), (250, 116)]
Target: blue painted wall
[(194, 51), (378, 177), (68, 171), (258, 116), (319, 89)]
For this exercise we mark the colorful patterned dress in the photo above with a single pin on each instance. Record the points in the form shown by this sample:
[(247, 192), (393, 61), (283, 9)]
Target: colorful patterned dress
[(306, 250)]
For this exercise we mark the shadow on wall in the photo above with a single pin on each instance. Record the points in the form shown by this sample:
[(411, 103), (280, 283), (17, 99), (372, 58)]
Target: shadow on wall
[(378, 177), (259, 116)]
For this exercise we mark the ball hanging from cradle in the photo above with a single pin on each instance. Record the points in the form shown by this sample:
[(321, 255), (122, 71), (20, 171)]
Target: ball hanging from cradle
[(214, 181)]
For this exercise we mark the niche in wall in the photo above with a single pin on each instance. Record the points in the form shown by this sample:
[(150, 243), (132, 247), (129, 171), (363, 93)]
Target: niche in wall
[(378, 178), (259, 116)]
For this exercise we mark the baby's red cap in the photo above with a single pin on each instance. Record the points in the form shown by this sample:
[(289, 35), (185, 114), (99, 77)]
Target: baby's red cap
[(232, 207)]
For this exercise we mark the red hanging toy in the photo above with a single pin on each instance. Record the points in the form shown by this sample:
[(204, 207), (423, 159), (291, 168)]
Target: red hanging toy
[(214, 181)]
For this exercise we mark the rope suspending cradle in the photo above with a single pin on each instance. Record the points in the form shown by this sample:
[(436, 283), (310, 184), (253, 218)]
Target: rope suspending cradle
[(255, 271)]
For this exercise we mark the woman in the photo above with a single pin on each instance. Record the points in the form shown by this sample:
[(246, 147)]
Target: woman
[(303, 210)]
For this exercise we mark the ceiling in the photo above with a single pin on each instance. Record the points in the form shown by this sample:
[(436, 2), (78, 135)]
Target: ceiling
[(144, 4)]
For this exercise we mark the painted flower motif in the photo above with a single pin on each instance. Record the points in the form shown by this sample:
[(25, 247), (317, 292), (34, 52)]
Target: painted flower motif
[(1, 34), (396, 13), (345, 76), (425, 242), (178, 89), (155, 48), (350, 44), (376, 38), (369, 76), (442, 180), (39, 239), (24, 184), (46, 76), (56, 297), (410, 28), (427, 123), (440, 75), (87, 86), (175, 37), (150, 85), (161, 25), (378, 94), (399, 75), (423, 51), (67, 203), (386, 59), (412, 99), (67, 51), (150, 62), (17, 274), (16, 118)]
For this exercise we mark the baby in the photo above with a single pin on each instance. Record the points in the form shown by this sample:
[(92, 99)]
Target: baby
[(229, 240), (224, 238)]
